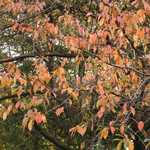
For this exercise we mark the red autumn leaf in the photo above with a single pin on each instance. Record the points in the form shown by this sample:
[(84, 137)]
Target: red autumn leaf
[(140, 125), (20, 28), (59, 111), (15, 26)]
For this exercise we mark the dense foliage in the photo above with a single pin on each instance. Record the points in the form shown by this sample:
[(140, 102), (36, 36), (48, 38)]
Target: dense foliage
[(75, 74)]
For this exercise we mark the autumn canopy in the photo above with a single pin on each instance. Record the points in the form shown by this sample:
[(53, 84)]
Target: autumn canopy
[(75, 74)]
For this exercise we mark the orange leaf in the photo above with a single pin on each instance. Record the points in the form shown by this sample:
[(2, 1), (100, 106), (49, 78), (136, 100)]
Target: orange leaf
[(101, 90), (84, 129), (9, 82), (22, 106), (131, 146), (100, 113), (124, 108), (88, 14), (9, 109), (59, 111), (93, 38), (111, 122), (70, 102), (17, 105), (80, 130), (140, 125), (101, 5), (44, 119), (142, 34), (15, 26), (24, 122), (70, 90), (38, 119), (132, 110), (19, 92), (3, 81), (119, 145), (112, 129)]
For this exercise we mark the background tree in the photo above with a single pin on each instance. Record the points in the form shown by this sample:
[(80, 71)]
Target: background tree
[(74, 74)]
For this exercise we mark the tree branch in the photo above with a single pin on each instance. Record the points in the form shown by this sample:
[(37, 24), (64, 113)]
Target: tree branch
[(52, 139), (15, 95), (33, 55)]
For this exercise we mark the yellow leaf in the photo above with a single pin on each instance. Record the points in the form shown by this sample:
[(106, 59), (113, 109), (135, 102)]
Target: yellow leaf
[(122, 129), (82, 145), (102, 133), (4, 115), (43, 35), (30, 125), (119, 145), (147, 145), (101, 22), (74, 96), (44, 119), (89, 19), (105, 133)]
